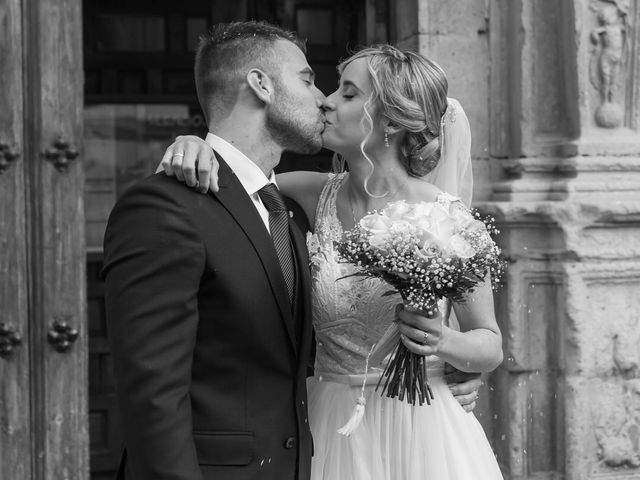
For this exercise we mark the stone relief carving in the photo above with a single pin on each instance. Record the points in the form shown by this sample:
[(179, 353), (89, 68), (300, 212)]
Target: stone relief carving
[(608, 60), (617, 421), (618, 429)]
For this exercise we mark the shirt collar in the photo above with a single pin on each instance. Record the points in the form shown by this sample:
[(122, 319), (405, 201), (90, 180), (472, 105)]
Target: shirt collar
[(249, 174)]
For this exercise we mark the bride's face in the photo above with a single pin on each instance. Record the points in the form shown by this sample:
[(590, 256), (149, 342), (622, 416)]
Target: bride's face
[(344, 127)]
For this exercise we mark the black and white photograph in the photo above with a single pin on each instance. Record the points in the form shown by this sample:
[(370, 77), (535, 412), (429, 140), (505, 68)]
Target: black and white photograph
[(320, 240)]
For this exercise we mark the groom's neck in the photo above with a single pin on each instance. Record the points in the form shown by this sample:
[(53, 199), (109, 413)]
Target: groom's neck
[(251, 137)]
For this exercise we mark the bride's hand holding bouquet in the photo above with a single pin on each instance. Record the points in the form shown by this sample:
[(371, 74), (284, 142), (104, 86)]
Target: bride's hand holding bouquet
[(426, 251)]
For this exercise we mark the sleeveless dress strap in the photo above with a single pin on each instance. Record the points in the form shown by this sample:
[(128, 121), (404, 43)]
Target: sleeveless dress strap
[(326, 208)]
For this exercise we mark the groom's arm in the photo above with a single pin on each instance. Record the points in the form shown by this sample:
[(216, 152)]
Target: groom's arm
[(153, 265)]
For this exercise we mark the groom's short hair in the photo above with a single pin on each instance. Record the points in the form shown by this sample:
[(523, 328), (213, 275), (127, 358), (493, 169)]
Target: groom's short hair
[(227, 52)]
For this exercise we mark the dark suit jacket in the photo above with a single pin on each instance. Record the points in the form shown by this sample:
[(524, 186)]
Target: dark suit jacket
[(209, 360)]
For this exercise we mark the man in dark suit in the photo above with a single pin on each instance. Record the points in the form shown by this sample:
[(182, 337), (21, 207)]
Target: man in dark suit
[(207, 296)]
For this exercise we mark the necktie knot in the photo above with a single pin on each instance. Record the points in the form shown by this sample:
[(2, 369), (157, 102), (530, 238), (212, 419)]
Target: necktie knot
[(271, 198)]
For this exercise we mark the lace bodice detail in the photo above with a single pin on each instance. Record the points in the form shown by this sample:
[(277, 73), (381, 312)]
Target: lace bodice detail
[(349, 314)]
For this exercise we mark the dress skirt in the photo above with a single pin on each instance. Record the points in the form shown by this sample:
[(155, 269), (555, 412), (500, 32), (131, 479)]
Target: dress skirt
[(395, 441)]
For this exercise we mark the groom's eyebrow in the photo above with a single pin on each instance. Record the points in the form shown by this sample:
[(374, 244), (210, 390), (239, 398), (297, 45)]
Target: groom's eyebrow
[(308, 71)]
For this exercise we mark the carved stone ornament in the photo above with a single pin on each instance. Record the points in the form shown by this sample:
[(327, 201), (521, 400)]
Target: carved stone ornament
[(617, 416), (618, 429), (8, 155), (608, 59), (9, 339), (61, 154), (62, 336)]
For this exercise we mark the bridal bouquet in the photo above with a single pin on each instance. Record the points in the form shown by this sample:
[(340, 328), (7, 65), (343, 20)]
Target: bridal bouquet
[(426, 252)]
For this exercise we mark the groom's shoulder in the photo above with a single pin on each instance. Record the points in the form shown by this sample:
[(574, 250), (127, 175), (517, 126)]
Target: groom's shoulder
[(157, 184), (158, 192)]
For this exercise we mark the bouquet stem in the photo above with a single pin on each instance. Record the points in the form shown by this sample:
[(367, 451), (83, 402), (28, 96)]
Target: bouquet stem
[(405, 375)]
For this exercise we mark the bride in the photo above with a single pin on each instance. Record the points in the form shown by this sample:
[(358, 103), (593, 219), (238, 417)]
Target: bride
[(391, 122)]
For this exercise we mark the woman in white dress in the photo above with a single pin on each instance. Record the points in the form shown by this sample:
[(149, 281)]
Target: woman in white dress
[(391, 121)]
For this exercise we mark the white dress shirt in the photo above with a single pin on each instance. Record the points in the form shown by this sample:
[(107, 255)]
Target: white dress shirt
[(249, 174)]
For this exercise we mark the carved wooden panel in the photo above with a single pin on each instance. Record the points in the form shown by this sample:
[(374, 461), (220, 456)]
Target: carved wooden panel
[(15, 417), (56, 233)]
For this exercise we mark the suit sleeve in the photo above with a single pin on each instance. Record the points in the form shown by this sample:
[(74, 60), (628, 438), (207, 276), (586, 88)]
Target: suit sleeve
[(153, 263)]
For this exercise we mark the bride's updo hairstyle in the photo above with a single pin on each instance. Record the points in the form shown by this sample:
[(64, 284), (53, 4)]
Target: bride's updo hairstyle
[(411, 92)]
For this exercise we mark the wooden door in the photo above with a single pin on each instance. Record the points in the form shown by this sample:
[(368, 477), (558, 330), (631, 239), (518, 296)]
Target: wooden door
[(43, 427), (57, 286), (15, 419)]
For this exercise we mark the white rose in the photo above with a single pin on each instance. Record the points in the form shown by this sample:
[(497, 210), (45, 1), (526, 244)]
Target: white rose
[(429, 249), (396, 210), (461, 218), (379, 240), (459, 247), (418, 212), (375, 223), (439, 228), (379, 226), (400, 227)]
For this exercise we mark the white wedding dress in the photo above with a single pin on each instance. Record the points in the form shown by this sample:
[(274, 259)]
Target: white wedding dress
[(395, 441)]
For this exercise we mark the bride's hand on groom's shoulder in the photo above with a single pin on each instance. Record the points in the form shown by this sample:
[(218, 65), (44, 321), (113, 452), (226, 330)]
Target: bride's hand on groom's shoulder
[(192, 161)]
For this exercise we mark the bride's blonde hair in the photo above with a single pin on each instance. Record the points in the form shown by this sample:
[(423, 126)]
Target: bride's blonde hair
[(411, 92)]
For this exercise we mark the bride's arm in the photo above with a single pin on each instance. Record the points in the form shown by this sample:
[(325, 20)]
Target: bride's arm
[(303, 187), (477, 347), (191, 160)]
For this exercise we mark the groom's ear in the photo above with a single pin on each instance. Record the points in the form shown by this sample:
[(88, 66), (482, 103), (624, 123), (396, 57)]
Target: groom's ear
[(261, 85)]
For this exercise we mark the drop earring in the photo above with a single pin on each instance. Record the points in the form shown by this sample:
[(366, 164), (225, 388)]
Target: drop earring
[(386, 137)]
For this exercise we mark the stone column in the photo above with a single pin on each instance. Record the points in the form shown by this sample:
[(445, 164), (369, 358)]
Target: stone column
[(564, 131)]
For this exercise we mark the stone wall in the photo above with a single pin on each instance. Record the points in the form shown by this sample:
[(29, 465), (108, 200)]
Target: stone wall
[(552, 91)]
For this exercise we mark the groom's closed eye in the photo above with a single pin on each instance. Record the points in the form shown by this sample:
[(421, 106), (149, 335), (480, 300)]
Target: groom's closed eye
[(308, 76)]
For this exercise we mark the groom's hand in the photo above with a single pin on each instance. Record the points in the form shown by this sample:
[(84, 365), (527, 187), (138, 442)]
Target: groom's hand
[(464, 386)]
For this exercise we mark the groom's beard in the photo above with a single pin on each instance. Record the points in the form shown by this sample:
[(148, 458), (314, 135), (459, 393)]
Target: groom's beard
[(292, 129)]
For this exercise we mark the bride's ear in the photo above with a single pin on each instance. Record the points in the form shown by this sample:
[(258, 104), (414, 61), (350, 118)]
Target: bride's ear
[(390, 127), (261, 85)]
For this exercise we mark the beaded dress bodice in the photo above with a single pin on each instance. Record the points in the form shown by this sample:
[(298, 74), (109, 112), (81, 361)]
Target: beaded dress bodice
[(350, 313)]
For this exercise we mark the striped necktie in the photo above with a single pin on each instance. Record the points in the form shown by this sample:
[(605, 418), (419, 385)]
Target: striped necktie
[(279, 228)]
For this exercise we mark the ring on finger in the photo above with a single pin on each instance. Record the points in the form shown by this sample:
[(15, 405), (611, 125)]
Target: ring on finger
[(425, 337), (178, 154), (197, 184)]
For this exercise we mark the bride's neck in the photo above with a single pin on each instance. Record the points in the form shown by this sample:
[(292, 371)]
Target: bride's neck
[(387, 178)]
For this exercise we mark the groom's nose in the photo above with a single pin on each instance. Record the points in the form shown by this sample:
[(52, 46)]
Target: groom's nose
[(327, 105)]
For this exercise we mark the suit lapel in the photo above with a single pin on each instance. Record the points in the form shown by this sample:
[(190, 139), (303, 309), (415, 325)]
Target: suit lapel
[(234, 198)]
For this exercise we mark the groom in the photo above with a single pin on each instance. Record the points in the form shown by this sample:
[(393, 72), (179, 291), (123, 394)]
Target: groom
[(208, 297)]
